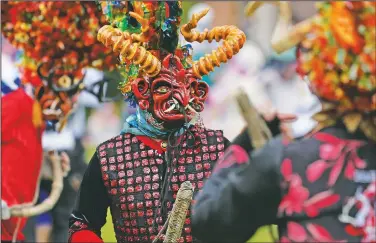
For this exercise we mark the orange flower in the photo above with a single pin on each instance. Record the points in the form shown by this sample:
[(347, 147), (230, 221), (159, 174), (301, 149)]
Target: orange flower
[(343, 27)]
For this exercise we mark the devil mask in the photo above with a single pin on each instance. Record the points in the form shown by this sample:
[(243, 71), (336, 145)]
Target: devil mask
[(57, 94), (160, 76), (174, 96)]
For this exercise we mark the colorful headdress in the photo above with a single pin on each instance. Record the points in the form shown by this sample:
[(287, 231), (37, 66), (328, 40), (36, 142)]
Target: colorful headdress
[(58, 34), (337, 53), (145, 33), (58, 39)]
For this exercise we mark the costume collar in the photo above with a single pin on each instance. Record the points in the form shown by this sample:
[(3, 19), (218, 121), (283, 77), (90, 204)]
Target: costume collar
[(143, 124)]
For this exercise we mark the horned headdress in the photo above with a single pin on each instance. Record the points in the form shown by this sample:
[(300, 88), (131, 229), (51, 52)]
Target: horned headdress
[(337, 53), (144, 33)]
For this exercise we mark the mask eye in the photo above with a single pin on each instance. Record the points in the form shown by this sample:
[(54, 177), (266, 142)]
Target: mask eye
[(163, 89)]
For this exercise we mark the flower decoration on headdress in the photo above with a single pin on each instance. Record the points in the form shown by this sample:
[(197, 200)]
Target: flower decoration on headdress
[(337, 53), (144, 33)]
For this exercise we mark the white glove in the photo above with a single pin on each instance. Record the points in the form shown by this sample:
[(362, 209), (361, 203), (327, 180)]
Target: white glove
[(5, 211)]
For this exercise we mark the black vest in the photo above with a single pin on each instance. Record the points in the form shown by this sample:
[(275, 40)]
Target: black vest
[(132, 173)]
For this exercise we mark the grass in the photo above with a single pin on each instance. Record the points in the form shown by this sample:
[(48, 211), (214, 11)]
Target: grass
[(108, 235)]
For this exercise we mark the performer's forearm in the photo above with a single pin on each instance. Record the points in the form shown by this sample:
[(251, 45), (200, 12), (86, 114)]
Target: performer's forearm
[(90, 212), (244, 139)]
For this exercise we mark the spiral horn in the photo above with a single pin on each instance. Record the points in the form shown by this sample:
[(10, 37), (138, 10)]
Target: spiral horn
[(233, 40), (122, 43)]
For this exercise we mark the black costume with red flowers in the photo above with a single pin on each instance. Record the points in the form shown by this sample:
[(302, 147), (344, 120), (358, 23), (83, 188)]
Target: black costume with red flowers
[(320, 188), (315, 196)]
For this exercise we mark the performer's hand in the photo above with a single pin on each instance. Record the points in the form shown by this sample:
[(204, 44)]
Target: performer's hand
[(279, 121), (75, 181), (65, 163), (5, 212)]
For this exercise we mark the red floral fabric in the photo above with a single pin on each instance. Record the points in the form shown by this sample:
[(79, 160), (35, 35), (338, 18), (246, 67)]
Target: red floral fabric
[(235, 154), (333, 154), (297, 199), (337, 163), (310, 233)]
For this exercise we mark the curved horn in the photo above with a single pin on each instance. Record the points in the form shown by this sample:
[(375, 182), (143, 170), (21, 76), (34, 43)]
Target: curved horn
[(121, 42), (49, 203), (233, 40), (47, 80), (280, 40), (138, 14), (39, 71), (294, 36)]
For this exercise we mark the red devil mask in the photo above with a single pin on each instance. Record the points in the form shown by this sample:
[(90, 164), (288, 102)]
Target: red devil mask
[(174, 96), (57, 95)]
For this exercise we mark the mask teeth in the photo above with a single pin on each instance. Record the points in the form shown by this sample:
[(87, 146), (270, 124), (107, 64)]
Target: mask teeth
[(190, 108), (170, 108)]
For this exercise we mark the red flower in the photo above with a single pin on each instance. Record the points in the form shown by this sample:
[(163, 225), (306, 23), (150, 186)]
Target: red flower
[(353, 231), (296, 200), (320, 234), (284, 239), (297, 194), (235, 154), (319, 201), (330, 151), (315, 170), (334, 153), (296, 232), (316, 233), (286, 168)]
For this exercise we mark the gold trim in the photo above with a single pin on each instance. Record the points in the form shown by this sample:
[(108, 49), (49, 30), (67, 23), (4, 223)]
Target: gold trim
[(353, 121)]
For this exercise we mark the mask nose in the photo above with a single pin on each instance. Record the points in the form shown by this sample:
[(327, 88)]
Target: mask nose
[(181, 97)]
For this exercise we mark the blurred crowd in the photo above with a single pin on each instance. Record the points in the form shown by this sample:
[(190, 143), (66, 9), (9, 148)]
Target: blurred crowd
[(269, 80)]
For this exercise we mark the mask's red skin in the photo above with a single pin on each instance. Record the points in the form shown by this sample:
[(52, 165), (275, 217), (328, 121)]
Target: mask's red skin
[(155, 95)]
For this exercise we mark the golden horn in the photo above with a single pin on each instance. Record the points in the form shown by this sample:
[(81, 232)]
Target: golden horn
[(252, 7), (284, 9), (233, 41), (121, 42), (294, 36), (280, 41), (139, 16)]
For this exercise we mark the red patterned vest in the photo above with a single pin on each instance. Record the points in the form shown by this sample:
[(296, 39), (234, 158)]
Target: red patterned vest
[(329, 190), (132, 173)]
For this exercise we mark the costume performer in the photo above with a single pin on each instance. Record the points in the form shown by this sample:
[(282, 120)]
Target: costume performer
[(138, 173), (55, 52), (320, 188)]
